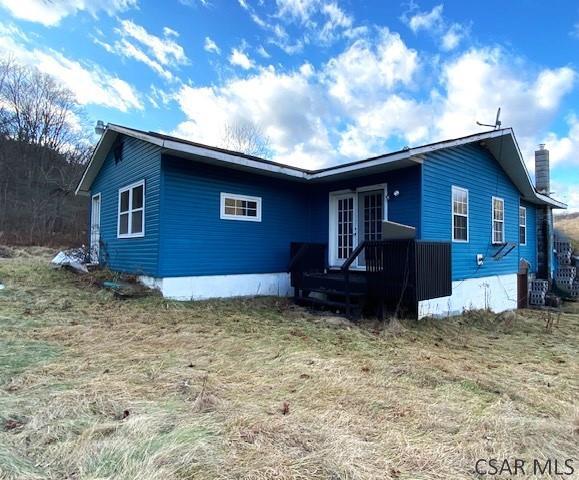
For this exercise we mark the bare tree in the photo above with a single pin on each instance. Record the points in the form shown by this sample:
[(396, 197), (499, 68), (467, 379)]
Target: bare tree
[(37, 110), (246, 137), (42, 151)]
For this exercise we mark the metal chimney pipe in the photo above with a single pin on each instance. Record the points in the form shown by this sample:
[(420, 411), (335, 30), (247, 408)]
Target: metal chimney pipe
[(542, 176)]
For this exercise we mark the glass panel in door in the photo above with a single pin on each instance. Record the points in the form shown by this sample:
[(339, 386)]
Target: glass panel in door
[(370, 217), (95, 228), (345, 230)]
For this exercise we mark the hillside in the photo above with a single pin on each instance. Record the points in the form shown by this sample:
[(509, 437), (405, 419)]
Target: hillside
[(568, 224)]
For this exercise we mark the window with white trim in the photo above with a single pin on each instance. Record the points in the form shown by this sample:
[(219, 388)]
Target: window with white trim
[(522, 226), (459, 214), (240, 207), (131, 217), (498, 220)]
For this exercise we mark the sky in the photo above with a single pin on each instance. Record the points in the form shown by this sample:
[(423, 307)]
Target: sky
[(327, 81)]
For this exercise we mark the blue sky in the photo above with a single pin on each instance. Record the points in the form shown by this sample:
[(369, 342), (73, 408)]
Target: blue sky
[(328, 81)]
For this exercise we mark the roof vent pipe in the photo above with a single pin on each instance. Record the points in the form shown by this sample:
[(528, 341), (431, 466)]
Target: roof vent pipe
[(542, 176), (99, 128)]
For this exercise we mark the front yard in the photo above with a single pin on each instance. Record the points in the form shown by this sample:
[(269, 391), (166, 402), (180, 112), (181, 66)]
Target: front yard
[(95, 387)]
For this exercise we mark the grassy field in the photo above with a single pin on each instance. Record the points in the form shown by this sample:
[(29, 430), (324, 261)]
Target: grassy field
[(94, 387)]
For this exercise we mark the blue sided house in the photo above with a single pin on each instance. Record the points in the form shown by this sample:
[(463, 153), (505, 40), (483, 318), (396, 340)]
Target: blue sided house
[(438, 228)]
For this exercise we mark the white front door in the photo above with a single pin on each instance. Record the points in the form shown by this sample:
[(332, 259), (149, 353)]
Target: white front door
[(354, 217), (95, 228)]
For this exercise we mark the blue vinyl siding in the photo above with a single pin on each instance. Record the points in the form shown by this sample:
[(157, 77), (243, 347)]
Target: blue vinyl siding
[(474, 168), (185, 236), (140, 160), (403, 209), (196, 241), (529, 251)]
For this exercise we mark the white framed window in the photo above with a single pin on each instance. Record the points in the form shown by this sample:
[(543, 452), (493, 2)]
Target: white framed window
[(498, 205), (240, 207), (522, 225), (459, 214), (131, 216)]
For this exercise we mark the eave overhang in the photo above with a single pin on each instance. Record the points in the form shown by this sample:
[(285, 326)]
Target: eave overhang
[(501, 144)]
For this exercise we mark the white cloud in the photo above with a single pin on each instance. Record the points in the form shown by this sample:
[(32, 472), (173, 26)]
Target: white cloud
[(370, 99), (471, 88), (160, 96), (575, 31), (263, 52), (565, 149), (286, 105), (211, 47), (89, 82), (434, 23), (165, 50), (194, 3), (337, 19), (369, 68), (168, 32), (162, 53), (50, 13), (567, 193), (288, 47), (322, 22), (479, 81), (452, 38), (426, 20), (239, 58), (551, 85), (301, 10), (370, 130), (126, 49)]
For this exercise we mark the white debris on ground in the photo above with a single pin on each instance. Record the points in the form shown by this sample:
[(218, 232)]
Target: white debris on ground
[(74, 258)]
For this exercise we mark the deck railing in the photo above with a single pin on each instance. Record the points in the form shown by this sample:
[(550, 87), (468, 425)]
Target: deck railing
[(397, 271)]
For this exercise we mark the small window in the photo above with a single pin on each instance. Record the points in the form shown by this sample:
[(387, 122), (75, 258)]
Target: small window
[(459, 214), (498, 220), (240, 207), (522, 225), (131, 221)]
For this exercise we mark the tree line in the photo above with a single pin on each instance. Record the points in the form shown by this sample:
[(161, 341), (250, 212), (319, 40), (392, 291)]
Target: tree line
[(44, 146), (45, 143)]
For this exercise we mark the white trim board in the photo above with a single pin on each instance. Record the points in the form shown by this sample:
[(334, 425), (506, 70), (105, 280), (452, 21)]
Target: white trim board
[(221, 286), (453, 189), (503, 221), (234, 196), (516, 170), (131, 210), (333, 198), (498, 292)]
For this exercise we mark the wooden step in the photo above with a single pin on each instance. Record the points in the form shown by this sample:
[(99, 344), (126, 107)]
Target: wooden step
[(337, 293), (354, 307), (333, 281)]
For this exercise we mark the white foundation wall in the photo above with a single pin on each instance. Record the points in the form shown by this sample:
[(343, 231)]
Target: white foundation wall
[(221, 286), (498, 293)]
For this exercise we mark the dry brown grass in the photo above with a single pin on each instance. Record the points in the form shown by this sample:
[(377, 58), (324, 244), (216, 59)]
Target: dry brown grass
[(94, 387)]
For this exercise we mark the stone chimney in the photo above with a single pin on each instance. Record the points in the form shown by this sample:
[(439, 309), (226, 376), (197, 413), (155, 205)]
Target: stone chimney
[(544, 216), (542, 177)]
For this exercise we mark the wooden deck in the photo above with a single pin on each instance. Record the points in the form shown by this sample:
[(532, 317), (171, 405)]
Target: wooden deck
[(398, 273)]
